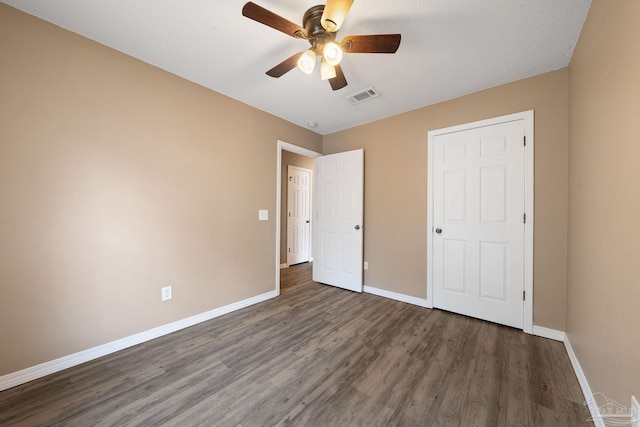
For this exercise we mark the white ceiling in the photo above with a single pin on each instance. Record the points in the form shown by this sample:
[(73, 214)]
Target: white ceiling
[(449, 48)]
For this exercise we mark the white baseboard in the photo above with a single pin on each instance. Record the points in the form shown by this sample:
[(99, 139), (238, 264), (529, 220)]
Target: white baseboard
[(285, 265), (584, 384), (556, 335), (398, 297), (552, 334), (29, 374)]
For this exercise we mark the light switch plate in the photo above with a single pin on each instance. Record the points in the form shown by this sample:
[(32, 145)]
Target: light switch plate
[(263, 215)]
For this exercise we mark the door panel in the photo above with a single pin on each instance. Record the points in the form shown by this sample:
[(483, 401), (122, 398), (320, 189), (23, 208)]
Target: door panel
[(454, 265), (493, 201), (492, 270), (454, 192), (478, 196), (338, 213)]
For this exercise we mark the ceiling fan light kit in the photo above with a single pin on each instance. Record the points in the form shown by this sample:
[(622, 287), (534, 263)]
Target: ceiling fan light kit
[(320, 25)]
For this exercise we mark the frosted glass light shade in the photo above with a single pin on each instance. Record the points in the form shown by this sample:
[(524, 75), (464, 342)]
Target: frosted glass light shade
[(332, 53), (327, 71), (307, 61)]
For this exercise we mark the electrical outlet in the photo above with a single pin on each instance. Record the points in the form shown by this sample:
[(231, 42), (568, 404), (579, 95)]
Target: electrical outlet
[(263, 215), (366, 265), (167, 293), (635, 412)]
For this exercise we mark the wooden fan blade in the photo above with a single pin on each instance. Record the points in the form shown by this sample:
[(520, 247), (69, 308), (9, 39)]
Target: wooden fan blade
[(339, 81), (335, 11), (270, 19), (285, 66), (378, 43)]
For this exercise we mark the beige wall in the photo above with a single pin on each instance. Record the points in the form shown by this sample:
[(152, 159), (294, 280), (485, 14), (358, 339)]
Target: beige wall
[(114, 181), (396, 186), (604, 199), (117, 178), (293, 159)]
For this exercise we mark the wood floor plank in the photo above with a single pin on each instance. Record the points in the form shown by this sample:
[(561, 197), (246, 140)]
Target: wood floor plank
[(315, 356), (451, 403), (517, 386), (481, 392)]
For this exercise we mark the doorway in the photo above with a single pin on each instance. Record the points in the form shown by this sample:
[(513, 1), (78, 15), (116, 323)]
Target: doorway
[(338, 216), (283, 149)]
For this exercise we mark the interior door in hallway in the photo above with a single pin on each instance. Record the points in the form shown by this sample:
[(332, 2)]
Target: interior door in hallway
[(298, 215), (478, 222), (338, 213)]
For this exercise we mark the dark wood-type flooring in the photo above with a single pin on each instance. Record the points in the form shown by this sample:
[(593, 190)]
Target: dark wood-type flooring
[(316, 356)]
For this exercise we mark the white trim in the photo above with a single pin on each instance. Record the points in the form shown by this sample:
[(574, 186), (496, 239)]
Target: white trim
[(429, 218), (528, 117), (584, 384), (552, 334), (529, 177), (29, 374), (283, 266), (398, 297), (294, 149)]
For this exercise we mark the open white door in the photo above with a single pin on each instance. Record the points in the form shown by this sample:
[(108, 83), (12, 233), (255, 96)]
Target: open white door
[(338, 212)]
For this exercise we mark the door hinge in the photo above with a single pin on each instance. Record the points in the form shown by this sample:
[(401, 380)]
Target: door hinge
[(289, 249), (524, 218), (525, 140), (524, 295)]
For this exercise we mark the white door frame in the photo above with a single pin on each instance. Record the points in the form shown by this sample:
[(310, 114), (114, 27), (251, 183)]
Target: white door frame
[(294, 149), (527, 116)]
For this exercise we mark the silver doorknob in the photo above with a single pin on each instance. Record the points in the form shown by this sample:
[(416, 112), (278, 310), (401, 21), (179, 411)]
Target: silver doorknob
[(357, 227), (438, 230)]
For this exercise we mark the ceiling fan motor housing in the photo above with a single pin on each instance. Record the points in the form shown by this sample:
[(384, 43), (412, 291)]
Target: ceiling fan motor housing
[(316, 34)]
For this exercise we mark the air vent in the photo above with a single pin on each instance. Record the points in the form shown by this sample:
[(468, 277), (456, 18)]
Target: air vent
[(363, 95)]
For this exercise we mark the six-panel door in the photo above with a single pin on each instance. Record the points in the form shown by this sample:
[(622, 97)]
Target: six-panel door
[(478, 249)]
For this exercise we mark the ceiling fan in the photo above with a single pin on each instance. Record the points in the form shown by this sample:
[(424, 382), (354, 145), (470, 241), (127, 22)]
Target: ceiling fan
[(320, 25)]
